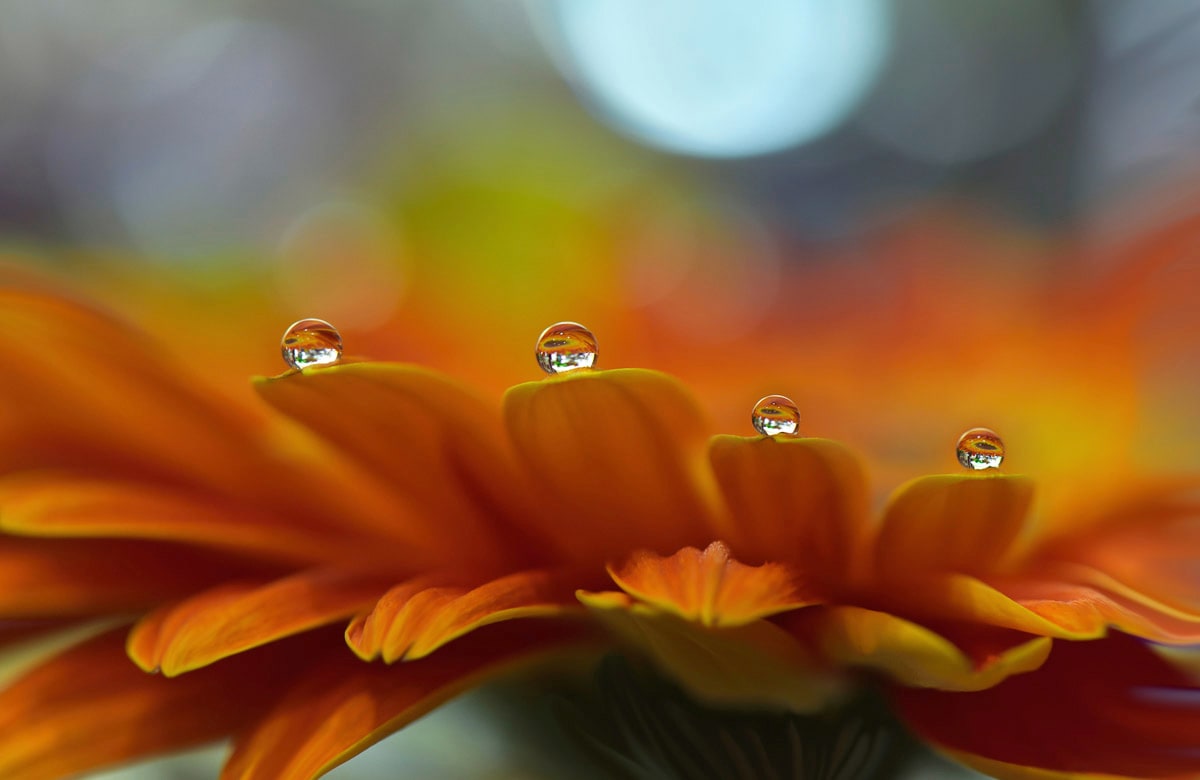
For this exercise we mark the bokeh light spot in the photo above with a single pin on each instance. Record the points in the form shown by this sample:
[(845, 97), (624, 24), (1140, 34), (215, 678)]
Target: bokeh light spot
[(710, 78)]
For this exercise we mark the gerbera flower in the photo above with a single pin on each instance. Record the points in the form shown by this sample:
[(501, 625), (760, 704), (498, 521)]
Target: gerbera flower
[(310, 576)]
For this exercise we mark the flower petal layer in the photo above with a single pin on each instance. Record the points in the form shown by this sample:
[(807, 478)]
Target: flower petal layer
[(614, 450), (65, 577), (913, 654), (346, 706), (1112, 707), (951, 523), (83, 390), (412, 620), (438, 449), (1069, 602), (63, 504), (1149, 542), (801, 501), (710, 587), (231, 619), (89, 707)]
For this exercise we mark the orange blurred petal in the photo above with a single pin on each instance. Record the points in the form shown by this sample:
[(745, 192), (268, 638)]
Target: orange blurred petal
[(964, 524), (89, 707), (53, 577), (62, 504), (346, 707), (438, 449), (616, 455), (231, 619), (83, 390), (1148, 541), (800, 501), (1111, 706), (416, 618), (913, 654), (1081, 596), (710, 587)]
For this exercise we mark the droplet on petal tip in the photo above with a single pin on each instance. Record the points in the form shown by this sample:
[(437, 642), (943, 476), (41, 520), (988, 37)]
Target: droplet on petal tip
[(311, 342), (979, 449), (565, 346), (774, 415)]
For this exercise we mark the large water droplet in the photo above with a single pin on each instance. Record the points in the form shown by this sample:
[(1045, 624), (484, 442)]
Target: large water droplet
[(565, 346), (776, 414), (311, 342), (980, 448)]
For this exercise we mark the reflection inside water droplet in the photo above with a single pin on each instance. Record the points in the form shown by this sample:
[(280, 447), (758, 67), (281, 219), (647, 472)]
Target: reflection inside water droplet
[(311, 342), (565, 346), (980, 448), (776, 414)]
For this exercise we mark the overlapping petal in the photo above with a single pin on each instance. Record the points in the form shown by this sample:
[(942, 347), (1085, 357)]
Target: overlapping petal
[(89, 707), (438, 451), (964, 524), (615, 455), (60, 504), (346, 706), (412, 620), (915, 655), (231, 619), (59, 578), (1116, 708), (801, 501)]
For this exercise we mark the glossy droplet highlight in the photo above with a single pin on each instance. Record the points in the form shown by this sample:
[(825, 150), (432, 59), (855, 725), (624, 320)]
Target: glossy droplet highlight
[(776, 414), (980, 448), (566, 346), (311, 342)]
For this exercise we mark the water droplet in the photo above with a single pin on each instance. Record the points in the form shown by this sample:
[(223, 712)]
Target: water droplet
[(980, 448), (776, 414), (311, 342), (565, 346)]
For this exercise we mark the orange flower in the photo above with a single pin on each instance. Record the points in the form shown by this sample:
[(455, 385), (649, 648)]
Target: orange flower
[(388, 508)]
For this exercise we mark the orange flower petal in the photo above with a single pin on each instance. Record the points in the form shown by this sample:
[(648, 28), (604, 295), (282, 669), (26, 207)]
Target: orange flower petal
[(439, 450), (1085, 596), (61, 504), (1069, 602), (82, 390), (89, 707), (346, 707), (616, 455), (85, 392), (910, 653), (234, 618), (1149, 542), (67, 577), (958, 597), (416, 618), (800, 501), (1111, 706), (710, 587), (956, 523)]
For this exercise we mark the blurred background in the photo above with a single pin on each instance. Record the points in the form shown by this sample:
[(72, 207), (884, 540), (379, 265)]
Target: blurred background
[(927, 207), (840, 202)]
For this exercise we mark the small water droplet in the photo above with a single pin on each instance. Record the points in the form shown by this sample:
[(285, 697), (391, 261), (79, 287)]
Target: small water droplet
[(565, 346), (980, 448), (776, 414), (311, 342)]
